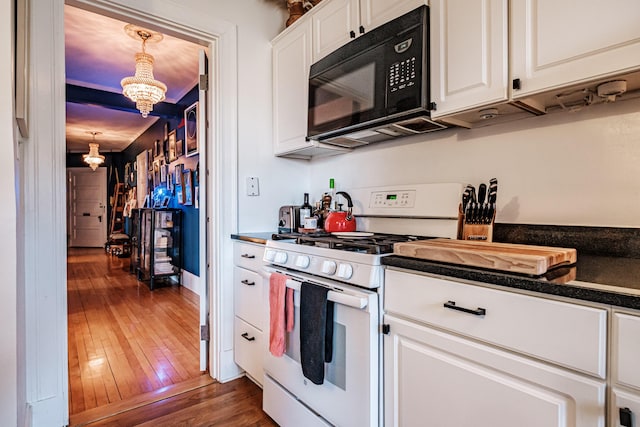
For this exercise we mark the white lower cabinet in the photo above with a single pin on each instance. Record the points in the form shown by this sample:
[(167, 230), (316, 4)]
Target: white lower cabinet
[(625, 371), (433, 378), (459, 354), (249, 308), (248, 344)]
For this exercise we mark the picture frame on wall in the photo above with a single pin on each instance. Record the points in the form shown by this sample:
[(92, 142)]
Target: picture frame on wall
[(177, 174), (172, 146), (187, 187), (163, 173), (179, 148), (158, 149), (191, 130), (179, 194), (150, 159)]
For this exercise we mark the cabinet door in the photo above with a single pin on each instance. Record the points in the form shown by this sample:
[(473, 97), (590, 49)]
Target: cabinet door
[(556, 43), (469, 62), (335, 23), (374, 13), (629, 403), (436, 379), (625, 349), (291, 61), (249, 348)]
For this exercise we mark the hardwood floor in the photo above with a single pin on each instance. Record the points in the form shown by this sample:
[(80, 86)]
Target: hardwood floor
[(124, 340), (134, 354), (236, 403)]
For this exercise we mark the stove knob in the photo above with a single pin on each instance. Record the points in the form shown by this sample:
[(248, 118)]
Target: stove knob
[(329, 267), (302, 261), (269, 255), (281, 257), (345, 271)]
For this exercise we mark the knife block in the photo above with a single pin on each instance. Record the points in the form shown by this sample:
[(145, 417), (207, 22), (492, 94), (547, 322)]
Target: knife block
[(481, 232)]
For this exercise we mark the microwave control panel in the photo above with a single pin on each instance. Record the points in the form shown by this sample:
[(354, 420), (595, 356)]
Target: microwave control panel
[(393, 199), (402, 74)]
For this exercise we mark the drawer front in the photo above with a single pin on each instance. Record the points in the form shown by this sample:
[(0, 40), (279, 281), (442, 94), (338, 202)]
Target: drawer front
[(625, 350), (248, 300), (248, 349), (568, 334), (285, 409), (629, 403), (248, 255)]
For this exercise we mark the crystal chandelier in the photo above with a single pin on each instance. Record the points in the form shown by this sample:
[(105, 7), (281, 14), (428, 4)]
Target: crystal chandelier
[(93, 159), (142, 88)]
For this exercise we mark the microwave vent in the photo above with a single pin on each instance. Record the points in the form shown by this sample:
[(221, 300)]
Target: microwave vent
[(343, 141), (420, 125)]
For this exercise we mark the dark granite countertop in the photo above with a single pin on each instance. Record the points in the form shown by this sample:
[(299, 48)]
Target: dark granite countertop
[(254, 237), (607, 271)]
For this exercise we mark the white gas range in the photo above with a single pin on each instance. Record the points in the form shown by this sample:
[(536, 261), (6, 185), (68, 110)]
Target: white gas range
[(350, 267)]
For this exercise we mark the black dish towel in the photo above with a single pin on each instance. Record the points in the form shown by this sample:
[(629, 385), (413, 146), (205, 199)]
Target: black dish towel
[(316, 331)]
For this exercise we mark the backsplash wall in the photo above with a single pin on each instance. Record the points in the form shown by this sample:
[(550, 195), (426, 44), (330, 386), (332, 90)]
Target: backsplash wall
[(580, 168)]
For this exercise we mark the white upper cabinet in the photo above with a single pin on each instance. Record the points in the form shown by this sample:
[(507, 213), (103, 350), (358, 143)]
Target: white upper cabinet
[(374, 13), (291, 61), (334, 24), (494, 61), (469, 54), (555, 43), (337, 22)]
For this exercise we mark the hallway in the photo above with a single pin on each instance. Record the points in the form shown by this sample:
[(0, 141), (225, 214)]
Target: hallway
[(124, 340)]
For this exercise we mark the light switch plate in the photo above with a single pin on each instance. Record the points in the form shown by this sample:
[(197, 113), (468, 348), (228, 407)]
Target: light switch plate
[(252, 186)]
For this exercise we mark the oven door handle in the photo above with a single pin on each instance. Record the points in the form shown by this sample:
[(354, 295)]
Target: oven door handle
[(335, 296)]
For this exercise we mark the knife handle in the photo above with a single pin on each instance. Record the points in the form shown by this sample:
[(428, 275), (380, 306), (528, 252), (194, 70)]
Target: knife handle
[(482, 192)]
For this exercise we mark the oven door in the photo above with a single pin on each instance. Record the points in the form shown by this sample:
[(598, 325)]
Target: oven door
[(349, 394)]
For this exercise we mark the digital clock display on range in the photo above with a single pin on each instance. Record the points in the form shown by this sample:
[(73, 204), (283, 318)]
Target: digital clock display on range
[(392, 196)]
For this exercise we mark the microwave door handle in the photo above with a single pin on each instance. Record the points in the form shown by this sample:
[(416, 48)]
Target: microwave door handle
[(337, 297)]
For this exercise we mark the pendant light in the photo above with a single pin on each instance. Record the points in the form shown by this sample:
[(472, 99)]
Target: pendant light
[(142, 88), (93, 159)]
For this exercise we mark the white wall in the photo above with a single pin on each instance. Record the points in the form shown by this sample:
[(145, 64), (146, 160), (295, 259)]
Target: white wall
[(578, 168), (8, 290), (281, 181)]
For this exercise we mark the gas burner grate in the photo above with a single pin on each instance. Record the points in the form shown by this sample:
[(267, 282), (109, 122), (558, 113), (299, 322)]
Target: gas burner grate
[(377, 244)]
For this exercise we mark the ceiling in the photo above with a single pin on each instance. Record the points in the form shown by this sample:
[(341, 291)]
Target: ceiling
[(98, 54)]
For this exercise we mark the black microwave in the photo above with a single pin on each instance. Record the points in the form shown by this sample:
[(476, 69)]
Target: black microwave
[(375, 87)]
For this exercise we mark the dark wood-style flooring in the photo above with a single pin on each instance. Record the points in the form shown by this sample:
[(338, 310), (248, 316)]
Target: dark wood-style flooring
[(134, 354)]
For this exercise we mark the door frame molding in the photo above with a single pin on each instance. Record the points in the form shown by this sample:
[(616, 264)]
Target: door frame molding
[(42, 331)]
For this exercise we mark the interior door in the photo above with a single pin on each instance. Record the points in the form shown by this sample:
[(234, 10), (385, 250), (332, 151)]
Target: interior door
[(203, 64), (87, 201)]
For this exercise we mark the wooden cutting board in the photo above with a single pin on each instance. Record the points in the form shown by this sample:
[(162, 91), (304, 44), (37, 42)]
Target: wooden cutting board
[(527, 259)]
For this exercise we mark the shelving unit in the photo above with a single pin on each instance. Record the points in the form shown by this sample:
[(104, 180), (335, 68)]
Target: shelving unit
[(158, 257)]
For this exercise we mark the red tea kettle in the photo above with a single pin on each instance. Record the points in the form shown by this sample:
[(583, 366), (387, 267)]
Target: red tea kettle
[(340, 221)]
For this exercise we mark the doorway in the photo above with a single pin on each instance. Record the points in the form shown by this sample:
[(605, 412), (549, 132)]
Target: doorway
[(86, 207), (108, 306), (42, 299)]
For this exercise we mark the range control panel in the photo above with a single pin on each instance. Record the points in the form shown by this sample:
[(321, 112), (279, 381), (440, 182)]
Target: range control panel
[(393, 199)]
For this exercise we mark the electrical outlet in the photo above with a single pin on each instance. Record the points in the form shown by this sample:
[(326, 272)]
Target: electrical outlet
[(252, 186)]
